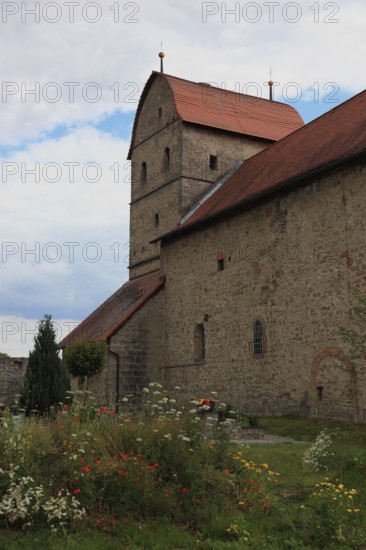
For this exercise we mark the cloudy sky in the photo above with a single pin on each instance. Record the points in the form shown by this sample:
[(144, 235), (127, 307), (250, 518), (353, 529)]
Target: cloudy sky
[(72, 73)]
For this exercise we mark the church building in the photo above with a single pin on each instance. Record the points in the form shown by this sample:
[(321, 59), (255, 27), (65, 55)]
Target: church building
[(247, 238)]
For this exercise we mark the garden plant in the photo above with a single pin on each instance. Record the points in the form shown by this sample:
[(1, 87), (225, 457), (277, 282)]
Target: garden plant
[(160, 476)]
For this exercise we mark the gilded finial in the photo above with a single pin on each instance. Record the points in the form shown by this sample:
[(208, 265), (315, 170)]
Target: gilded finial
[(161, 55), (270, 84)]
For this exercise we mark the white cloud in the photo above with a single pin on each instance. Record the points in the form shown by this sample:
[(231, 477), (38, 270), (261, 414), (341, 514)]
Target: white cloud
[(17, 333), (109, 53), (65, 238)]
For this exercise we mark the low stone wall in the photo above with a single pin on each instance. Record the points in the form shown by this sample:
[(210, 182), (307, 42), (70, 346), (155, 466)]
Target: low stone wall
[(12, 372)]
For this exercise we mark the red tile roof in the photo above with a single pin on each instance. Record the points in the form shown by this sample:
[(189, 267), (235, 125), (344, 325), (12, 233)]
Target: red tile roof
[(200, 103), (335, 137), (116, 310)]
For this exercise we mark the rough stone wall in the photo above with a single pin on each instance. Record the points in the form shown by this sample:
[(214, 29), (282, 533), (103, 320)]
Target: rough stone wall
[(140, 346), (170, 192), (12, 372), (290, 263), (159, 194), (198, 144)]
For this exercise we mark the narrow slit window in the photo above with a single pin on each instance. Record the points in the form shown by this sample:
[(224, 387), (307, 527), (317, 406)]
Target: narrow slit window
[(143, 173), (157, 220), (258, 347), (160, 112), (213, 162), (166, 159), (319, 391), (199, 343)]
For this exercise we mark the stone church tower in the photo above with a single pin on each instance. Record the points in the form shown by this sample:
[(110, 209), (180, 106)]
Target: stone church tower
[(186, 137)]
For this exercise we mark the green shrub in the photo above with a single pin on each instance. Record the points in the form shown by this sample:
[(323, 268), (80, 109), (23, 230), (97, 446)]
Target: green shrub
[(86, 357)]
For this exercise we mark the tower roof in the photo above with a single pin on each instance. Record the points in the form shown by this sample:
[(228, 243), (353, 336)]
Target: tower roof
[(206, 105)]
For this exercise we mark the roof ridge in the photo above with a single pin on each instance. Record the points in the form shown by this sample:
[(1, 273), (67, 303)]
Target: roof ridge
[(225, 90)]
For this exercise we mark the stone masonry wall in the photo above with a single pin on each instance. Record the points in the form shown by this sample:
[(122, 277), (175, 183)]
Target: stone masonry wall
[(290, 263), (139, 343), (198, 144), (169, 192), (12, 372)]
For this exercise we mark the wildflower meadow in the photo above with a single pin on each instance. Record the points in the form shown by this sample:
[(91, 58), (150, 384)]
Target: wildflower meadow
[(158, 475)]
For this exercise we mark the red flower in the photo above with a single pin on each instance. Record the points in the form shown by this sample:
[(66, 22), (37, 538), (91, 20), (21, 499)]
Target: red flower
[(185, 490), (198, 501), (226, 471), (76, 491), (86, 469), (98, 462), (120, 472)]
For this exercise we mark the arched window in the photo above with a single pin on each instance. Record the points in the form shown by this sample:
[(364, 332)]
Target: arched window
[(199, 343), (258, 338), (143, 172), (166, 158)]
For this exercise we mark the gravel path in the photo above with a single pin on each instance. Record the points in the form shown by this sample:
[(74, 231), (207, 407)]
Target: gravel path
[(269, 439)]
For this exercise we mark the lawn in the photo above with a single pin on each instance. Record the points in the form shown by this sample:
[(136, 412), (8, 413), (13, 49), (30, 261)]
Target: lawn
[(87, 478)]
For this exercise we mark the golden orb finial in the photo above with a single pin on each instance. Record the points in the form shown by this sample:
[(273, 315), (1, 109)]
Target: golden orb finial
[(161, 55)]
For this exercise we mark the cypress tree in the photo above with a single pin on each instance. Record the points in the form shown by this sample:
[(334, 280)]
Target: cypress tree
[(46, 380)]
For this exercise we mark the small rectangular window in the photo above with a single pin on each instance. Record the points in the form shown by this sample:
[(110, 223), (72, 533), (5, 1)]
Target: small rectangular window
[(220, 265), (157, 220), (213, 162), (160, 112)]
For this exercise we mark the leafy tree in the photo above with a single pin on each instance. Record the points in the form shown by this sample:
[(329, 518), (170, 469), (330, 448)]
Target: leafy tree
[(46, 380), (86, 357), (2, 354), (354, 334)]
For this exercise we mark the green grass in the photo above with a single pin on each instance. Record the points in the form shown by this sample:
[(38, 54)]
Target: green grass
[(306, 429)]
